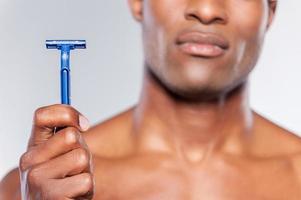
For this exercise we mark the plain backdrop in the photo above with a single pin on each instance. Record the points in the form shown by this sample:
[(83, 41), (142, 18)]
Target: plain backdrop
[(106, 77)]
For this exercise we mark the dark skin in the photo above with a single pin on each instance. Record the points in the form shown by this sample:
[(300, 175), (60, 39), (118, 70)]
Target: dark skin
[(192, 135)]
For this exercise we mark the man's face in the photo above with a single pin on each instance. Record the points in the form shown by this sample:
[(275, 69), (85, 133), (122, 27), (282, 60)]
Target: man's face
[(197, 47)]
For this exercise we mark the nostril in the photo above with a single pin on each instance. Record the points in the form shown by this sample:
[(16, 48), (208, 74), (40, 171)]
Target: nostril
[(206, 19), (206, 13), (192, 17)]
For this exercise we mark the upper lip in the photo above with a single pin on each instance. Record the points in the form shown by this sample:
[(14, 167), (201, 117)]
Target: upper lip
[(202, 38)]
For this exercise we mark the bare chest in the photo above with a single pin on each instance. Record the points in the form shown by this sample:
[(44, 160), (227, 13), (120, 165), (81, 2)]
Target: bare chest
[(148, 181)]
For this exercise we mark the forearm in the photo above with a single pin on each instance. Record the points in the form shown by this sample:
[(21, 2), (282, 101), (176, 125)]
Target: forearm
[(10, 186)]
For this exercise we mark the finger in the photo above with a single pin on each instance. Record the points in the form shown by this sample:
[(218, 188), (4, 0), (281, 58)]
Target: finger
[(74, 162), (81, 185), (62, 189), (61, 143), (47, 118)]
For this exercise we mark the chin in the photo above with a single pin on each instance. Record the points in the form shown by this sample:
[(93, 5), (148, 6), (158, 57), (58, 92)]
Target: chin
[(197, 93), (198, 88), (194, 90), (195, 82)]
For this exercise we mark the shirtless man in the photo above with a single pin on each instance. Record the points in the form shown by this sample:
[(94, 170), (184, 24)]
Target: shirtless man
[(191, 136)]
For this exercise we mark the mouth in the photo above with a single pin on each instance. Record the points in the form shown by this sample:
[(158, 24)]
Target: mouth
[(202, 44)]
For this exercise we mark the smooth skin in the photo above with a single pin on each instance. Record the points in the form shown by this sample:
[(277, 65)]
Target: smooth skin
[(192, 134)]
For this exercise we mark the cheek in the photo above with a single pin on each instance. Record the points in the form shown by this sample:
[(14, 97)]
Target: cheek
[(161, 18), (164, 13), (250, 20), (249, 26), (159, 23)]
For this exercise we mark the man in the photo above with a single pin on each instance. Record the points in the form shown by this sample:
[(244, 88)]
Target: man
[(191, 136)]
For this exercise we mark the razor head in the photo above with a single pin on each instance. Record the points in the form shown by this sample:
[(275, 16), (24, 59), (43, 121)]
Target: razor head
[(71, 44)]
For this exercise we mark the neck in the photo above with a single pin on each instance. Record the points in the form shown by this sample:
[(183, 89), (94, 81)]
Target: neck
[(166, 123)]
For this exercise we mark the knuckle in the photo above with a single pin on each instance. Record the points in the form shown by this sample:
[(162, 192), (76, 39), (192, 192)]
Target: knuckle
[(33, 176), (25, 161), (39, 113), (82, 157), (68, 113), (67, 116), (88, 182), (39, 110), (71, 136)]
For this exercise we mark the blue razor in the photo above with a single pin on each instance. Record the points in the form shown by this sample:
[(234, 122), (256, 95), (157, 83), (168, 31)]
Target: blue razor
[(65, 46)]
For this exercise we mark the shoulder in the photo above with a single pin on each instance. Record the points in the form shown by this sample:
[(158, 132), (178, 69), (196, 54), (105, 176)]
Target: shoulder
[(275, 139), (278, 142), (10, 186), (111, 137), (296, 161)]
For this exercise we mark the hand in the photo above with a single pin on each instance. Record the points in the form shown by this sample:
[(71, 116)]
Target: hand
[(57, 165)]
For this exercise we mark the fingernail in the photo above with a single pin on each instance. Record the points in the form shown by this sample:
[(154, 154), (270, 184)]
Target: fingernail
[(84, 123)]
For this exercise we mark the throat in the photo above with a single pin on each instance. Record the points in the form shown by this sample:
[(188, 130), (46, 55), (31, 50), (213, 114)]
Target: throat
[(192, 129)]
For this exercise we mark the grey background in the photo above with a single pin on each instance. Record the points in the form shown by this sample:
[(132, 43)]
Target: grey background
[(106, 77)]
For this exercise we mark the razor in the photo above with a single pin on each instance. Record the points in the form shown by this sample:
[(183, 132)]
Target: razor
[(65, 46)]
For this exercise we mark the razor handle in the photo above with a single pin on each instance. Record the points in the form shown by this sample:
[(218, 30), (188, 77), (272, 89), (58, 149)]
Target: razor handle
[(65, 76)]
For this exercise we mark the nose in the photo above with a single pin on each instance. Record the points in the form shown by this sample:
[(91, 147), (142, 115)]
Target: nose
[(207, 11)]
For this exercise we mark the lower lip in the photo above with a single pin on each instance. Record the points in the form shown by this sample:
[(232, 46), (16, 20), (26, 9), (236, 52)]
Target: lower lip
[(202, 50)]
